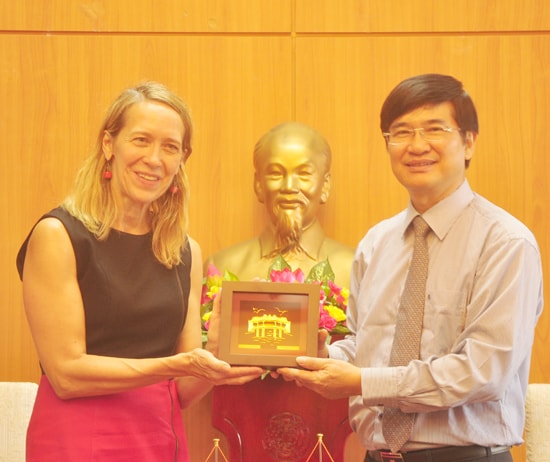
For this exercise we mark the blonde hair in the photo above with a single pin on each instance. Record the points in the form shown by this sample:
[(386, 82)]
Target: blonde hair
[(91, 200)]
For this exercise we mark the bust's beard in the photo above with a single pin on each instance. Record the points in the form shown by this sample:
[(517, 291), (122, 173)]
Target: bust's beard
[(288, 232)]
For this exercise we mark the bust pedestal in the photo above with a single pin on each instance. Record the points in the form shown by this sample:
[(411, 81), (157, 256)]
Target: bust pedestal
[(273, 420)]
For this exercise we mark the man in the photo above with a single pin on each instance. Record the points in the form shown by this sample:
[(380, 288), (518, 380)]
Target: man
[(292, 179), (461, 396)]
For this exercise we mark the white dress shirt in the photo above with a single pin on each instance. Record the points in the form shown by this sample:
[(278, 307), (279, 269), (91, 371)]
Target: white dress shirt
[(483, 299)]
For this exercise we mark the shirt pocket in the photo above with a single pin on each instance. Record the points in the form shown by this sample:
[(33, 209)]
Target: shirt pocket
[(444, 317)]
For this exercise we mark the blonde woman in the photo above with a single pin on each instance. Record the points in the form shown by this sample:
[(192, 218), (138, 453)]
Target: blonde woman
[(111, 285)]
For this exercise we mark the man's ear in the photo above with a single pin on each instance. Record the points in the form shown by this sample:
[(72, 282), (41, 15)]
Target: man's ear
[(470, 143), (325, 192), (258, 188)]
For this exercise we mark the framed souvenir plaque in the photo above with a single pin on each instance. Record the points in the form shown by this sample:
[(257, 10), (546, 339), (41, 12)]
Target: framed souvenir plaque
[(268, 324)]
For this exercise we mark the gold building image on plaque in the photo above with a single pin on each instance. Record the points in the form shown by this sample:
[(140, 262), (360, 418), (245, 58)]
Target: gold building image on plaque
[(269, 328), (268, 323)]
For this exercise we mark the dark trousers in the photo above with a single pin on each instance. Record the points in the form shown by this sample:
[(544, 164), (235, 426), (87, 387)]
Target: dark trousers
[(448, 455)]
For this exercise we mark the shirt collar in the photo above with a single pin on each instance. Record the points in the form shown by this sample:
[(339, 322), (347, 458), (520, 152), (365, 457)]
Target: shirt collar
[(442, 215), (311, 241)]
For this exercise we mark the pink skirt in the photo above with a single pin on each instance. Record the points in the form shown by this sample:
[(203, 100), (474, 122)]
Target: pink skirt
[(143, 425)]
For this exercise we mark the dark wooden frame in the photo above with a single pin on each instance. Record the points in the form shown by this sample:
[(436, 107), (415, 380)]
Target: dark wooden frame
[(243, 302)]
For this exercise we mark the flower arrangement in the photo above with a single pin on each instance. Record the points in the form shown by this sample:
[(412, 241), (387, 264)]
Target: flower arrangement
[(333, 299)]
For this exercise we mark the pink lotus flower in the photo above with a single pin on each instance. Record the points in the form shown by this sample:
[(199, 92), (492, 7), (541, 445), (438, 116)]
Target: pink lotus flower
[(286, 275)]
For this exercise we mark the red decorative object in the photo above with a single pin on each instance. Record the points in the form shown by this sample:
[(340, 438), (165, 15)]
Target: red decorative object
[(273, 420)]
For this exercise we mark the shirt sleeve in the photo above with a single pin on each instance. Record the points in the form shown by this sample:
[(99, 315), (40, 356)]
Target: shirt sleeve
[(489, 353)]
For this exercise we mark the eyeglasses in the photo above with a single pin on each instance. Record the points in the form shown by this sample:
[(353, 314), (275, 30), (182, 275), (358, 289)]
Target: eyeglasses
[(401, 136)]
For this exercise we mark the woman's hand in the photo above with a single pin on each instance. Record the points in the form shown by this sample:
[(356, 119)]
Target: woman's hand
[(204, 365)]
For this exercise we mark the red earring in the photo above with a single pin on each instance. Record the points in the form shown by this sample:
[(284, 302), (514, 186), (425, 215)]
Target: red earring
[(174, 189), (107, 174)]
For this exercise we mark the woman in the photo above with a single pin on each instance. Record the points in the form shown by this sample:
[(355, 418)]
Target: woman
[(111, 287)]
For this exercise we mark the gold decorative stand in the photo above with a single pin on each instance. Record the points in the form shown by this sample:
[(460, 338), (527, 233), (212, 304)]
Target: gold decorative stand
[(216, 452), (320, 446)]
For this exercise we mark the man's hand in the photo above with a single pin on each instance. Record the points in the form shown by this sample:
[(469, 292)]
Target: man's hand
[(330, 378), (322, 348)]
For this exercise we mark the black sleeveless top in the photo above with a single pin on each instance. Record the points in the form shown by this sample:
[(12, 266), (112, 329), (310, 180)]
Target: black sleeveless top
[(134, 306)]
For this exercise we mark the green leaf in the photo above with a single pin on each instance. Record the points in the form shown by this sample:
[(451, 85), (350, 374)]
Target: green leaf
[(279, 264), (213, 281), (322, 272), (229, 276), (340, 330), (206, 308)]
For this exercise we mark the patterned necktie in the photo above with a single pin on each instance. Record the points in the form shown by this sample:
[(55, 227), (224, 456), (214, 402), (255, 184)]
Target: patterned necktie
[(397, 425)]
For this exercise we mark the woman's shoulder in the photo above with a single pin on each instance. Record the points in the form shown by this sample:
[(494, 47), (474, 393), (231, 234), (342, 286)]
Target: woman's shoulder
[(56, 229), (48, 237), (48, 227), (58, 219)]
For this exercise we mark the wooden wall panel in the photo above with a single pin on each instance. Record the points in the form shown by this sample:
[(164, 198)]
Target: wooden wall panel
[(138, 16), (398, 16)]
